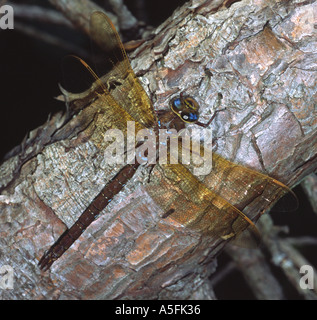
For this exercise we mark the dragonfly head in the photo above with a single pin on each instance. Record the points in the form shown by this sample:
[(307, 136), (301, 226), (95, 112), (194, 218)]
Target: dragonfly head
[(186, 108)]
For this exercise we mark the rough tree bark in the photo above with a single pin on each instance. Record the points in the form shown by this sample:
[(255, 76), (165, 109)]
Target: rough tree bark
[(260, 55)]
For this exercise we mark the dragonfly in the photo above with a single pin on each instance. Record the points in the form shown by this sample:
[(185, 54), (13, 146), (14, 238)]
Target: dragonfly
[(211, 206)]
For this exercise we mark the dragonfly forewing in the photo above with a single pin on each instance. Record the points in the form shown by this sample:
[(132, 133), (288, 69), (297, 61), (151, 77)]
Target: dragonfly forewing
[(131, 95)]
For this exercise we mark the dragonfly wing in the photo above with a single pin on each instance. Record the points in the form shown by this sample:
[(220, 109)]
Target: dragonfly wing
[(131, 95), (246, 189), (175, 189)]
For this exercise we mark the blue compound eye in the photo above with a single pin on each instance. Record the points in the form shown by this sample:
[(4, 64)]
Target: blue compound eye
[(177, 103), (190, 117)]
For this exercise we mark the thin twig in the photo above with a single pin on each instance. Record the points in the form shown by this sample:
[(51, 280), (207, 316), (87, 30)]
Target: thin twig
[(79, 12), (50, 39), (222, 274), (40, 14), (309, 186), (303, 241), (256, 271), (286, 257), (126, 19)]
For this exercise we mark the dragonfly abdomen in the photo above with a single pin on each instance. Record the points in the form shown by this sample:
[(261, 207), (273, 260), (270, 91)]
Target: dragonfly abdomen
[(113, 187)]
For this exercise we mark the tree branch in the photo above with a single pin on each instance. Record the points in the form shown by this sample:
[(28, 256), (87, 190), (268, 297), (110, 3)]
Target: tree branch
[(38, 13), (262, 62), (78, 12)]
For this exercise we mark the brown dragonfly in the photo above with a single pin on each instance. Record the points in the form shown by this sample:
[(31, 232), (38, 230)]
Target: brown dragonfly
[(212, 206)]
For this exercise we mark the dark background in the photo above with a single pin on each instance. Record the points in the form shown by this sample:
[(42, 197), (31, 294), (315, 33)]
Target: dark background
[(30, 71)]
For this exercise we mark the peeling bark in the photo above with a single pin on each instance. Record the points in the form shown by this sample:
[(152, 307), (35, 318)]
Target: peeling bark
[(260, 55)]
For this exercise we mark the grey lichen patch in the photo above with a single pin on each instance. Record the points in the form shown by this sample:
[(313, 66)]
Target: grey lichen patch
[(67, 180), (7, 169)]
